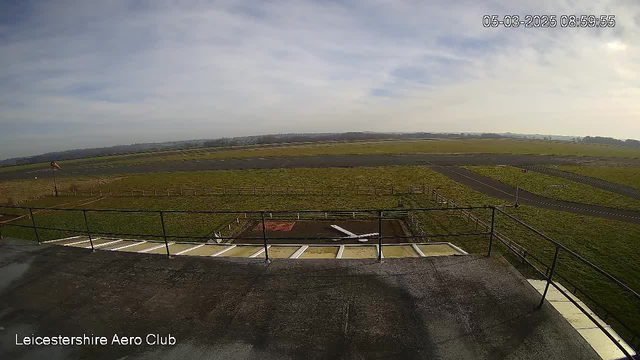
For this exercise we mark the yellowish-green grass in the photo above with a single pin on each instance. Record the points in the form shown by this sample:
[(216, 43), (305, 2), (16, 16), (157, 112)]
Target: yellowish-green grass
[(629, 176), (546, 185), (490, 146), (606, 243), (408, 147), (277, 178), (19, 191)]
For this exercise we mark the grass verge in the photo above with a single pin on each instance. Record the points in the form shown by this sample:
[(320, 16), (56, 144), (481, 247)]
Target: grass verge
[(556, 187)]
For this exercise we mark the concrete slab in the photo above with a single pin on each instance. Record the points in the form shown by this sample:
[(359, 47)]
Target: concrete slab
[(462, 307), (119, 244), (207, 250), (399, 251), (320, 252), (71, 241), (598, 340), (360, 252), (437, 250), (140, 247), (242, 251), (280, 252)]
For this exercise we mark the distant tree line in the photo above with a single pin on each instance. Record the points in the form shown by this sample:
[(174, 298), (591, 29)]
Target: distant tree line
[(275, 139), (348, 136), (610, 141)]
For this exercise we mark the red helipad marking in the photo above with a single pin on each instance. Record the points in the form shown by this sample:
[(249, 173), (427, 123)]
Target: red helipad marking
[(277, 225)]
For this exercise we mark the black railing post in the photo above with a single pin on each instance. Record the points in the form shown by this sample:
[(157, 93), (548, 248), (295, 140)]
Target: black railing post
[(164, 234), (33, 222), (264, 238), (493, 220), (379, 235), (553, 266), (86, 225)]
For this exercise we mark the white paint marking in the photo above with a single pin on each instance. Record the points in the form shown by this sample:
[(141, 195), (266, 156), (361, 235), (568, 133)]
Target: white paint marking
[(340, 251), (417, 249), (189, 249), (130, 245), (458, 249), (223, 251), (67, 238), (378, 251), (299, 252), (76, 243), (344, 231), (257, 253), (154, 248), (105, 244)]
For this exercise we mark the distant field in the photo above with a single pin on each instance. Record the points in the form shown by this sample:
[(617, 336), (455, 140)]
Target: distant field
[(607, 243), (541, 184), (503, 146), (629, 176), (19, 191)]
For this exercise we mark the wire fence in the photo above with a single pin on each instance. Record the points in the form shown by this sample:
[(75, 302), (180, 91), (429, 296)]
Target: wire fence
[(255, 190)]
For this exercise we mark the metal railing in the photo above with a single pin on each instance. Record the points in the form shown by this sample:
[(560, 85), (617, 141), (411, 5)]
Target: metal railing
[(256, 190), (488, 225)]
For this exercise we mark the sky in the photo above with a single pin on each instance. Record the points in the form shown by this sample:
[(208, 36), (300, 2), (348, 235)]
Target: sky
[(78, 74)]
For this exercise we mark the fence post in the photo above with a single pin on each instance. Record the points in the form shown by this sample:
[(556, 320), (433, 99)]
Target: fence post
[(33, 222), (493, 218), (164, 234), (86, 225), (264, 238), (379, 235), (553, 266)]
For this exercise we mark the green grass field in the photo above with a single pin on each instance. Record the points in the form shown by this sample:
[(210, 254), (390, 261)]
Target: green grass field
[(542, 184), (629, 176), (606, 243), (492, 146)]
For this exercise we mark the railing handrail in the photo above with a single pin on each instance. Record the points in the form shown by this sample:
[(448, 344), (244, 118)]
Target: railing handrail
[(571, 252), (257, 212)]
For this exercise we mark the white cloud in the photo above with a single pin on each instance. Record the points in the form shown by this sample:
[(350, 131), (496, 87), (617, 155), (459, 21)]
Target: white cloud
[(74, 75)]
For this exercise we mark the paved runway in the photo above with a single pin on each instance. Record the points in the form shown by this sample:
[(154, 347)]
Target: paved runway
[(100, 168), (500, 190)]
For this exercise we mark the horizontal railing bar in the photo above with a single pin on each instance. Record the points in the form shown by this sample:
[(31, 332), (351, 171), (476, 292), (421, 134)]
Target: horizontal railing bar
[(252, 211), (571, 252)]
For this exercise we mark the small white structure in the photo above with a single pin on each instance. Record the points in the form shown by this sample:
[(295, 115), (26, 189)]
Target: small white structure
[(350, 235)]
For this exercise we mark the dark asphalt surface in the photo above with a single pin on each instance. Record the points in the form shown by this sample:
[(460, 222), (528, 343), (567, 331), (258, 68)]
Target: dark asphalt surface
[(500, 190), (104, 168), (462, 307), (588, 180)]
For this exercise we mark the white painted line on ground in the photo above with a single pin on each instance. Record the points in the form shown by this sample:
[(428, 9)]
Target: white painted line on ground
[(224, 250), (344, 231), (154, 248), (417, 249), (67, 238), (130, 245), (299, 252), (257, 253), (458, 249), (379, 252), (104, 244), (76, 243), (340, 251), (189, 249)]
